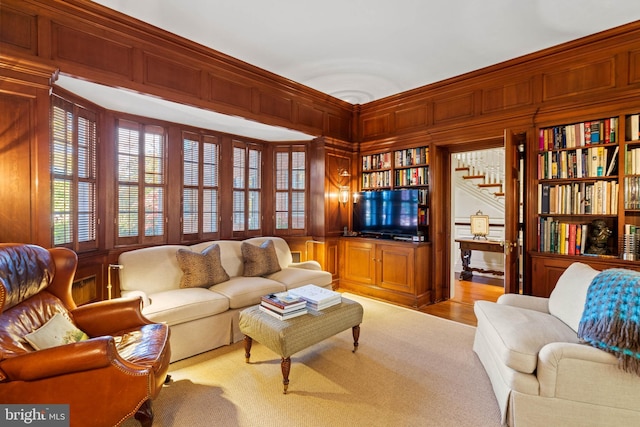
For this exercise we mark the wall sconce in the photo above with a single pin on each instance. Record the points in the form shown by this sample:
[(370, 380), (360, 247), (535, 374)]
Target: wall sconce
[(343, 195), (345, 190)]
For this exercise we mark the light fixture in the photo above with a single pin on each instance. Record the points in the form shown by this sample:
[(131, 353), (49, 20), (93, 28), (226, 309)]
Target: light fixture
[(343, 196), (345, 190), (112, 267)]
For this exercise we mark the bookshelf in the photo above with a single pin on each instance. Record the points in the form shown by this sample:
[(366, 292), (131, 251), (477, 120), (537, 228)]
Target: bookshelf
[(588, 178), (405, 168)]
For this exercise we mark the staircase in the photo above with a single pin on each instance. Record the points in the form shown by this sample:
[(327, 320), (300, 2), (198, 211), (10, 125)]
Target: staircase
[(481, 173)]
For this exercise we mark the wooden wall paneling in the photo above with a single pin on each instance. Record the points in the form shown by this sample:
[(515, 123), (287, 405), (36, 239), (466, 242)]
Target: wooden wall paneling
[(456, 107), (25, 212), (89, 41), (172, 75), (78, 46), (19, 30), (634, 66), (577, 80), (440, 200), (507, 95), (410, 117)]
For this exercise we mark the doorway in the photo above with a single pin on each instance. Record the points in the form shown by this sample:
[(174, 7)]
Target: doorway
[(477, 194)]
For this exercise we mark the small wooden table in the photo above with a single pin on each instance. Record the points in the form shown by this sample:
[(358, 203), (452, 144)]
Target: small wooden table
[(287, 337), (468, 245)]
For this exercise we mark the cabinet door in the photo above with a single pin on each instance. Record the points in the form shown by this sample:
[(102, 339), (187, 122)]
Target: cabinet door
[(359, 262), (395, 267)]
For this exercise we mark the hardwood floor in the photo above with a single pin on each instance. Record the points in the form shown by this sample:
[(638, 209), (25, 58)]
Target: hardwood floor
[(460, 307)]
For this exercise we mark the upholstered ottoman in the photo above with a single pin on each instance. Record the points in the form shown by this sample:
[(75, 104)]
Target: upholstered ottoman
[(286, 337)]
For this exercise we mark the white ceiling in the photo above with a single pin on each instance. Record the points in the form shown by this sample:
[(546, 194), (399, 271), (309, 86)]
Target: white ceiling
[(364, 50)]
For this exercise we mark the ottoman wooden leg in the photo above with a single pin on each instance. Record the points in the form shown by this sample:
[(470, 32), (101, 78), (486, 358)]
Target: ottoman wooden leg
[(356, 337), (247, 348), (285, 365)]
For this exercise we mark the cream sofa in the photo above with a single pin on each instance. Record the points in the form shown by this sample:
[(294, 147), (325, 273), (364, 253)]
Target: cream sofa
[(204, 318), (540, 372)]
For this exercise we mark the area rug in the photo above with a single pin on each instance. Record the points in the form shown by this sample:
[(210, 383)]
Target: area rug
[(411, 369)]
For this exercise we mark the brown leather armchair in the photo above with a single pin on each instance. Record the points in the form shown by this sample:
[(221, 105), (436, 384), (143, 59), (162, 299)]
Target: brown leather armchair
[(113, 375)]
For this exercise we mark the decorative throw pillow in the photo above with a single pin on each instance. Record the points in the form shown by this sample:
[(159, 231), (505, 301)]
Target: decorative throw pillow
[(201, 270), (57, 331), (259, 260)]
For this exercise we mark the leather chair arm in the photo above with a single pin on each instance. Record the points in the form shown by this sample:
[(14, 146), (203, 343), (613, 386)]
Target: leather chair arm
[(65, 359), (110, 316)]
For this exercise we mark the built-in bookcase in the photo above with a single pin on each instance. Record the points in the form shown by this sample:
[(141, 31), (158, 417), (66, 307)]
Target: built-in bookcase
[(406, 168), (588, 177)]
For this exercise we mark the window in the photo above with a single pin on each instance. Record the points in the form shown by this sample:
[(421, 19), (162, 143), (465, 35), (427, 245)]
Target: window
[(73, 175), (247, 186), (200, 186), (141, 183), (290, 185)]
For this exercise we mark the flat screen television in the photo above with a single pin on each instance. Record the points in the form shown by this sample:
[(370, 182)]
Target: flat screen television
[(387, 213)]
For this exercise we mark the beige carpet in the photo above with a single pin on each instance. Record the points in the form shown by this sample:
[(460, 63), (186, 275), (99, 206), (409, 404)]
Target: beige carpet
[(411, 369)]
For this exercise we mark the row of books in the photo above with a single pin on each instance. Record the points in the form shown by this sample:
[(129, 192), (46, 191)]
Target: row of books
[(376, 161), (631, 242), (579, 198), (579, 163), (412, 176), (376, 179), (296, 302), (561, 237), (633, 127), (411, 157), (579, 134), (632, 192), (632, 164)]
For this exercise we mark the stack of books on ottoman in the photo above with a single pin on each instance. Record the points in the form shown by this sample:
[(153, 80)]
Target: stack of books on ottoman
[(317, 298), (283, 306)]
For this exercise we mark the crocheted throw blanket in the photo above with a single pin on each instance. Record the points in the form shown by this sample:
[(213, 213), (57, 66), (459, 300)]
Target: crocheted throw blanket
[(611, 317)]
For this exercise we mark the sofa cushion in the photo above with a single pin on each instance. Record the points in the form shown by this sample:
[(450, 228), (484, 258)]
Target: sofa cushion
[(567, 299), (293, 277), (517, 334), (183, 305), (246, 291), (201, 269), (282, 248), (152, 269), (259, 260)]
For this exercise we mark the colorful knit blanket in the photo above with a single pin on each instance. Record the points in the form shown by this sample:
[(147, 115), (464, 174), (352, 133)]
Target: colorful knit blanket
[(611, 317)]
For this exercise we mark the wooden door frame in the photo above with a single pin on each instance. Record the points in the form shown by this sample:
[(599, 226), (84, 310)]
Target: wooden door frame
[(441, 205)]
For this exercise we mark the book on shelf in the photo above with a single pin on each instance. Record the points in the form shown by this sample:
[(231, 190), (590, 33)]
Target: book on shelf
[(282, 316), (317, 298), (283, 302)]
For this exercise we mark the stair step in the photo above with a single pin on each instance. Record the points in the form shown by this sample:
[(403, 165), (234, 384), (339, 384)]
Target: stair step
[(489, 185), (473, 176), (498, 194), (462, 169)]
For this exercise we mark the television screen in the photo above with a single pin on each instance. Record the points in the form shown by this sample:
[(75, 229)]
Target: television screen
[(388, 213)]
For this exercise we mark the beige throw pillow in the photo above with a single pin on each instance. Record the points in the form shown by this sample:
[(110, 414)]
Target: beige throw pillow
[(57, 331), (259, 260), (201, 270)]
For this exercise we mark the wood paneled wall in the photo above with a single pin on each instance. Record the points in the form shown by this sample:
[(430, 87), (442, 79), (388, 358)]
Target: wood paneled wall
[(602, 68), (84, 39)]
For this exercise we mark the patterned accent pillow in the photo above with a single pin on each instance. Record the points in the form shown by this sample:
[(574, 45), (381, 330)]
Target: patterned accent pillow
[(57, 331), (201, 270), (259, 260)]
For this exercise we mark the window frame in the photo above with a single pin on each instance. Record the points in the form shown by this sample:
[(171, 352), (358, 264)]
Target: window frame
[(243, 190), (290, 191), (75, 143), (201, 187), (144, 174)]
